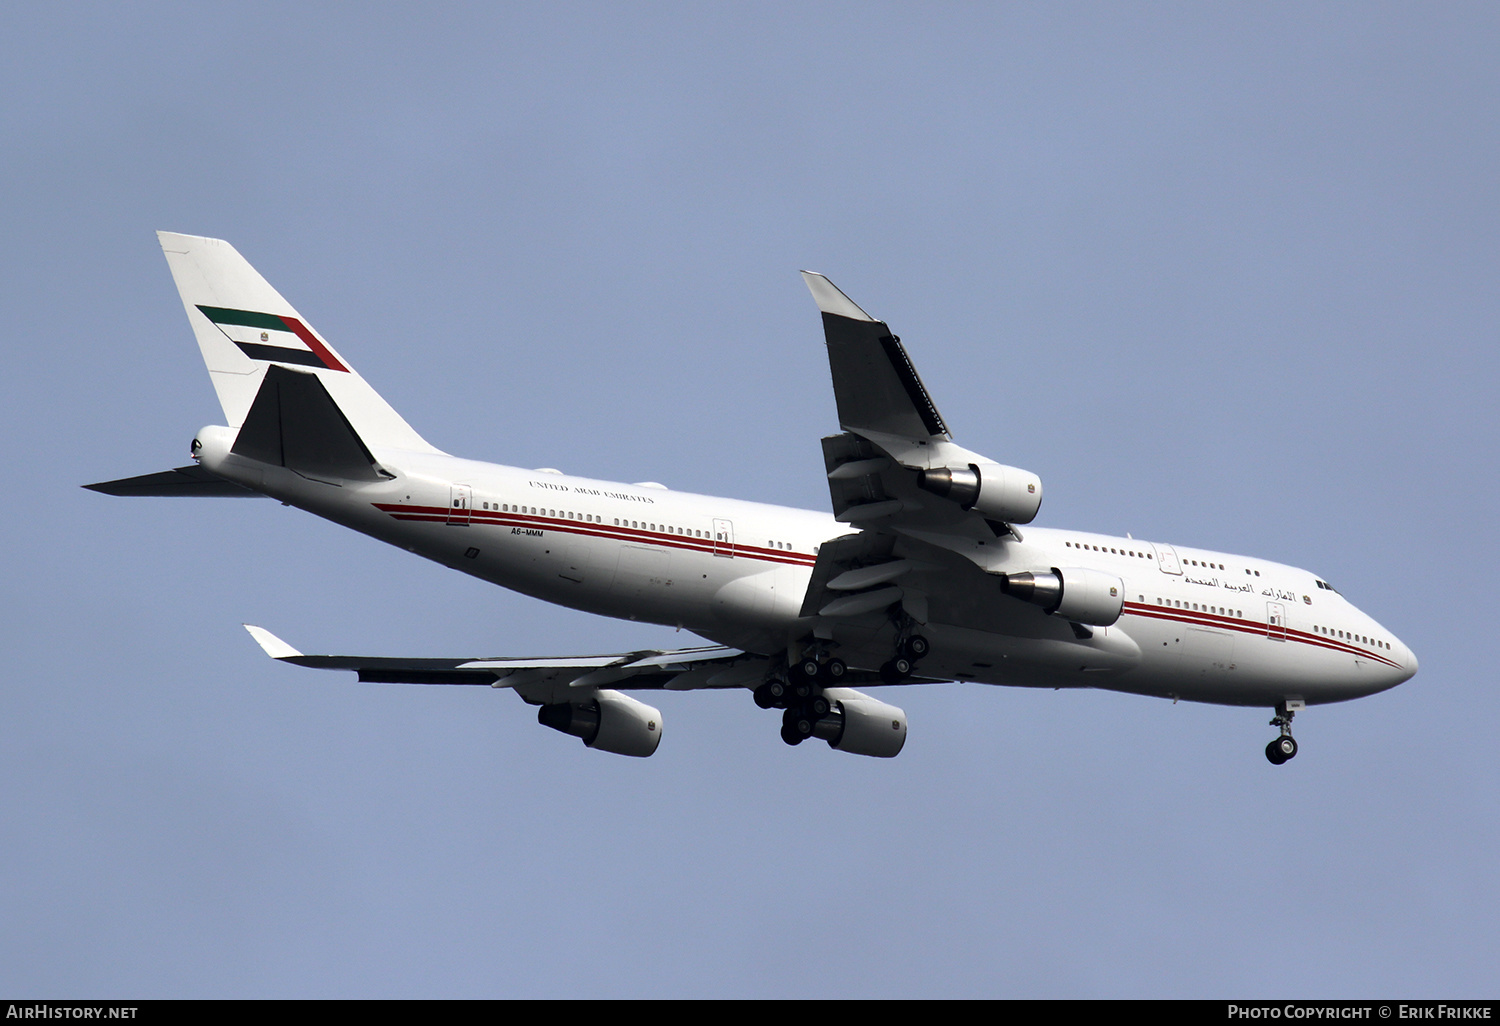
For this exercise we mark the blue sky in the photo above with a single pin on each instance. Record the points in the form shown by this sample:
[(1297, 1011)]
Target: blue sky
[(1222, 275)]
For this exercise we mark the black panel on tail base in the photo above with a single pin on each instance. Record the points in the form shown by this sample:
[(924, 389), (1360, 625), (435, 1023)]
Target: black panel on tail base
[(295, 423)]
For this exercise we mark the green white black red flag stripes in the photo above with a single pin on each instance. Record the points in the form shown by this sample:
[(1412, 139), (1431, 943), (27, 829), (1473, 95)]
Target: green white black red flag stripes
[(244, 326), (272, 337)]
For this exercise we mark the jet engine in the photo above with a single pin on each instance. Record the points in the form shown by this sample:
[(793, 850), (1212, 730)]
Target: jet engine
[(609, 720), (1083, 596), (997, 491), (860, 724)]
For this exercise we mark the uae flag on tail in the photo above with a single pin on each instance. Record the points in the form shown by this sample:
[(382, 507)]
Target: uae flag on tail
[(272, 337)]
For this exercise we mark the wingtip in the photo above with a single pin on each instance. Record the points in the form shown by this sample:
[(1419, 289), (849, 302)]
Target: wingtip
[(831, 299), (179, 242), (174, 242), (273, 646)]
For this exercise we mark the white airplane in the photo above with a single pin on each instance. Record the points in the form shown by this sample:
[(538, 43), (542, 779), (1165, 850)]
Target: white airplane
[(922, 574)]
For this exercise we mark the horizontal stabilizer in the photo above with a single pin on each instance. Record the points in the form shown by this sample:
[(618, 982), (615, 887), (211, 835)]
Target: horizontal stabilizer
[(295, 423), (184, 481)]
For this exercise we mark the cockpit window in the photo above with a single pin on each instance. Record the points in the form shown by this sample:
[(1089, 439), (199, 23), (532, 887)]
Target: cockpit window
[(1327, 587)]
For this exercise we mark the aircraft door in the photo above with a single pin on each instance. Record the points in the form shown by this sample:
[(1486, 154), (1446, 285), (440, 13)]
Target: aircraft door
[(723, 538), (1166, 559), (1275, 621), (577, 551), (459, 504)]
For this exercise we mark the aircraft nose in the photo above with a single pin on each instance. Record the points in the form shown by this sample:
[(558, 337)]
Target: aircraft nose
[(1406, 667), (1408, 661)]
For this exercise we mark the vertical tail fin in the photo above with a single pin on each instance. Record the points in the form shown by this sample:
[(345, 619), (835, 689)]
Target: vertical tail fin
[(244, 327)]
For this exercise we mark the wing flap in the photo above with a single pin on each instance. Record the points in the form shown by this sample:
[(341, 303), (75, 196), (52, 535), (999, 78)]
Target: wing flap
[(875, 383), (838, 557)]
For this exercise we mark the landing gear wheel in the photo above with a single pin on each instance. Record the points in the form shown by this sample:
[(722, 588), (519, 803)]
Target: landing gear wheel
[(790, 736), (833, 671), (797, 721), (808, 668), (769, 695), (1281, 749), (895, 671), (1285, 746), (818, 706), (915, 647)]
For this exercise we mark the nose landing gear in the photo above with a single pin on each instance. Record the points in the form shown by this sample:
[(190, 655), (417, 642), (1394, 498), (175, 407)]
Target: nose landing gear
[(1285, 746)]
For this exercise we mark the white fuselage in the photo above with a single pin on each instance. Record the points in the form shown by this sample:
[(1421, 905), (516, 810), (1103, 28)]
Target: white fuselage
[(1197, 625)]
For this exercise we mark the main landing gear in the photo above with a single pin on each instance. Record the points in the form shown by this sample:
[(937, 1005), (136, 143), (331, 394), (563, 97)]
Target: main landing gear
[(801, 695), (802, 699), (1285, 746), (905, 662), (810, 671)]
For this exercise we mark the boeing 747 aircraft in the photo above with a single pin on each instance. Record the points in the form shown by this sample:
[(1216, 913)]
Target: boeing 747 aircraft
[(927, 569)]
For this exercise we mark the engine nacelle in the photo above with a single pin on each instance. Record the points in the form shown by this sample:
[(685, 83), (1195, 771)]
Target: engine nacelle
[(997, 491), (860, 724), (1084, 596), (609, 721)]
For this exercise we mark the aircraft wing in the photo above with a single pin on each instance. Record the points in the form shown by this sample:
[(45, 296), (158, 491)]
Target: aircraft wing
[(876, 386), (547, 680), (554, 679), (582, 695), (896, 468), (927, 517)]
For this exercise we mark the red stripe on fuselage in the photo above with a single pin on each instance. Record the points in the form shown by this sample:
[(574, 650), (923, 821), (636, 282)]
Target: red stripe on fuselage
[(1197, 618), (1202, 619), (441, 515)]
